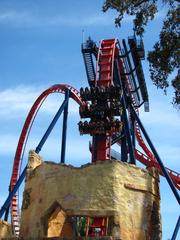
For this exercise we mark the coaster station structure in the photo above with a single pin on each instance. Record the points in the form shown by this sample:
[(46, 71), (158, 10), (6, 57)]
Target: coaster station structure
[(116, 91)]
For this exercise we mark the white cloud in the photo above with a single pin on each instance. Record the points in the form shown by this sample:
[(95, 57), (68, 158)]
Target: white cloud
[(31, 20), (9, 16), (16, 102), (74, 149), (14, 106)]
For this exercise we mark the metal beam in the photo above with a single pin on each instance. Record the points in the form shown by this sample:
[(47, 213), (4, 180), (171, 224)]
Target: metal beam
[(12, 193), (7, 202), (130, 67), (175, 233), (133, 131), (168, 178), (64, 133), (124, 155), (51, 126), (6, 214), (124, 116), (127, 132)]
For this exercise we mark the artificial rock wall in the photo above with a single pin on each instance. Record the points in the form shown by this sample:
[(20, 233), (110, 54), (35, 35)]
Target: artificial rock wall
[(127, 194), (5, 230)]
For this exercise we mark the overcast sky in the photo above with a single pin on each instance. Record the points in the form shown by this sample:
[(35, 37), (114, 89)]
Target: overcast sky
[(40, 44)]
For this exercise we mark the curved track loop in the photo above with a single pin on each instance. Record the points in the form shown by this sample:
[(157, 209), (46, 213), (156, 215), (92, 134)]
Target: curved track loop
[(59, 88), (148, 159), (108, 52)]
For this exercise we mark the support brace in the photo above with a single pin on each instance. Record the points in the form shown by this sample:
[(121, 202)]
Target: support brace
[(64, 133), (51, 126), (175, 233), (125, 119), (168, 178), (7, 202)]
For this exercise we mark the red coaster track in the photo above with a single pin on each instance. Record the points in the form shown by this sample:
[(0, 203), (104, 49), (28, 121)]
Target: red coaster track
[(108, 53)]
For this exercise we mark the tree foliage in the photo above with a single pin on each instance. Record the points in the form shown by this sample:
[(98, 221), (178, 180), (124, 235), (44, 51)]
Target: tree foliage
[(164, 60)]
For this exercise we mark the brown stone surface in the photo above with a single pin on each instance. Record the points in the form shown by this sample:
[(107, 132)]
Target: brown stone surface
[(55, 223), (126, 193), (5, 230)]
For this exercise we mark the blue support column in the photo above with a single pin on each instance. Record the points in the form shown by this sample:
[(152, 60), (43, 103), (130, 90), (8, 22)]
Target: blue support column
[(129, 66), (64, 133), (51, 126), (7, 203), (124, 154), (125, 118), (127, 129), (133, 131), (175, 233), (168, 178), (6, 214), (94, 149), (127, 133)]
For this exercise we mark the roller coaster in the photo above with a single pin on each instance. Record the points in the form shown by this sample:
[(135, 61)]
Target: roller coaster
[(116, 91)]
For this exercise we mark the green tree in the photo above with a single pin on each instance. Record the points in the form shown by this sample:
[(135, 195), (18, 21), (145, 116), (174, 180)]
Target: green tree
[(164, 59)]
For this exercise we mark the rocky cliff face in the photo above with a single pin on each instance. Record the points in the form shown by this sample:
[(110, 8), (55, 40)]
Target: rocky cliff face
[(55, 194)]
